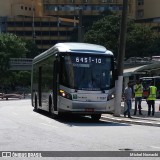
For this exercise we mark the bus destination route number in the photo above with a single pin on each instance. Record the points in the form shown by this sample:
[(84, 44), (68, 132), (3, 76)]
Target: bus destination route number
[(88, 60)]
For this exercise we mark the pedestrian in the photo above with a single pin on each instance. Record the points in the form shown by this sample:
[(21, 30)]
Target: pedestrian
[(128, 99), (138, 93), (151, 98)]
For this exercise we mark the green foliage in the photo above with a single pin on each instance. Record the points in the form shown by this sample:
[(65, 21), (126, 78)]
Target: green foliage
[(13, 79), (24, 78), (12, 45), (105, 32), (32, 49), (156, 45), (141, 40), (4, 62)]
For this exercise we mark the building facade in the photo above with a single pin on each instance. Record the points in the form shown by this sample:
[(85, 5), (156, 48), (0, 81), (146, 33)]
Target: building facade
[(71, 7), (10, 8), (50, 21), (46, 32), (145, 10), (25, 19)]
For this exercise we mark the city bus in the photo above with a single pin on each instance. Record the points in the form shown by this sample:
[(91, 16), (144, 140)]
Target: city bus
[(76, 78), (146, 83), (155, 58)]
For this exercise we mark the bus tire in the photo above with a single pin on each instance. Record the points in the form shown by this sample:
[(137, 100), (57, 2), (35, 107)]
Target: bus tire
[(51, 108), (35, 104), (96, 117)]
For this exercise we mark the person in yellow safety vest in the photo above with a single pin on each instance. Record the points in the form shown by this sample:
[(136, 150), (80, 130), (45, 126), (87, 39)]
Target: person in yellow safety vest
[(138, 92), (151, 98)]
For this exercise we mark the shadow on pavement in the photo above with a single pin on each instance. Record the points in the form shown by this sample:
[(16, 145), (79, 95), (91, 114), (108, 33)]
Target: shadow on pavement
[(77, 120), (144, 112)]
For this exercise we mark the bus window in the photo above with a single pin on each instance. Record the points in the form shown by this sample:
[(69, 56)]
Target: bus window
[(86, 73)]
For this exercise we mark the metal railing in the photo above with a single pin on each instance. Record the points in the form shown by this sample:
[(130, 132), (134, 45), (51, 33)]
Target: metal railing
[(20, 61)]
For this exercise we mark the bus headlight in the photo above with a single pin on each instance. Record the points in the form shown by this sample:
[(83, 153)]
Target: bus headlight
[(65, 94), (111, 96)]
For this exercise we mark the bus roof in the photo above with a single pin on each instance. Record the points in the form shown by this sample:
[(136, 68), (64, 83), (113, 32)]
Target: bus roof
[(82, 48), (74, 47)]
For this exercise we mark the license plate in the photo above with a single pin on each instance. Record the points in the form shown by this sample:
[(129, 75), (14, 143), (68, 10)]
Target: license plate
[(89, 109)]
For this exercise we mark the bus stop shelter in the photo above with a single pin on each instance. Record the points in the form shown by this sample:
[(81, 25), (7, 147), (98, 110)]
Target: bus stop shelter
[(141, 71)]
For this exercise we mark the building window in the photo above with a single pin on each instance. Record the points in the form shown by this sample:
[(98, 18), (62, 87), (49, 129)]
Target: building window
[(107, 1), (140, 13), (21, 7), (25, 8), (140, 2)]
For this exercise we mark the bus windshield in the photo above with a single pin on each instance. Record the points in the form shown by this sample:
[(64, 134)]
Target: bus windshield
[(86, 72)]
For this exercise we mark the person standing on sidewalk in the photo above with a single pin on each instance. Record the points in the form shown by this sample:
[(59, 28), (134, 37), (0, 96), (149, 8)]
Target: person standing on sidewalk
[(151, 98), (128, 99), (138, 92)]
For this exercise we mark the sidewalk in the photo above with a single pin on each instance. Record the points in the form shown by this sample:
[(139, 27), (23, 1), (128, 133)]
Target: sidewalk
[(137, 119)]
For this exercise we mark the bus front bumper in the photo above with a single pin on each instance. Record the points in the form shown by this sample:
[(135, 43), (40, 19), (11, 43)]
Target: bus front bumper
[(66, 105)]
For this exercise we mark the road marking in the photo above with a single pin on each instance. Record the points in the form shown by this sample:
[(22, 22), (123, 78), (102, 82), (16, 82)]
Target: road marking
[(48, 125), (155, 147)]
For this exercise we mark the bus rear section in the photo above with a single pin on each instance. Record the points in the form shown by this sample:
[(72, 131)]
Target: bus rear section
[(78, 81)]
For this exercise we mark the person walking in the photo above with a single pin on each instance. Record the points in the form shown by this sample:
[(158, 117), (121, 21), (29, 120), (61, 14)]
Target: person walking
[(151, 98), (128, 99), (138, 92)]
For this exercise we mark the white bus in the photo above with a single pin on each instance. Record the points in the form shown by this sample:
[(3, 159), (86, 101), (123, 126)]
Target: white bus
[(155, 58), (74, 78)]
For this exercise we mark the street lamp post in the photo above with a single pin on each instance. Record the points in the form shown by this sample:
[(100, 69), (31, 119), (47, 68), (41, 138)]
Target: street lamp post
[(121, 56)]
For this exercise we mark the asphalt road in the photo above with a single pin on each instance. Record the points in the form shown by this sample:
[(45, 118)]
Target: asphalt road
[(22, 129)]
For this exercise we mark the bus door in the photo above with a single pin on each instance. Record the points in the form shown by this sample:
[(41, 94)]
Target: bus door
[(55, 83), (39, 86)]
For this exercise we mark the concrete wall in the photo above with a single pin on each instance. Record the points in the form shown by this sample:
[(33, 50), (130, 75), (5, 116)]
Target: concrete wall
[(20, 7), (151, 8)]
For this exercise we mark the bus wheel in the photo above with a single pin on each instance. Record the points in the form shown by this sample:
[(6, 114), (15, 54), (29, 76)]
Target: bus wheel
[(51, 109), (96, 117), (35, 104)]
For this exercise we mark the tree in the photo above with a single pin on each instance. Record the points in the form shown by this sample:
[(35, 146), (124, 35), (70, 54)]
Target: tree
[(140, 41), (4, 62), (105, 32), (140, 38), (32, 49), (156, 46), (4, 69), (24, 78), (12, 45)]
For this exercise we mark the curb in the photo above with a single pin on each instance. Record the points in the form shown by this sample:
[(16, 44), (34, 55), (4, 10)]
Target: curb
[(130, 121)]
